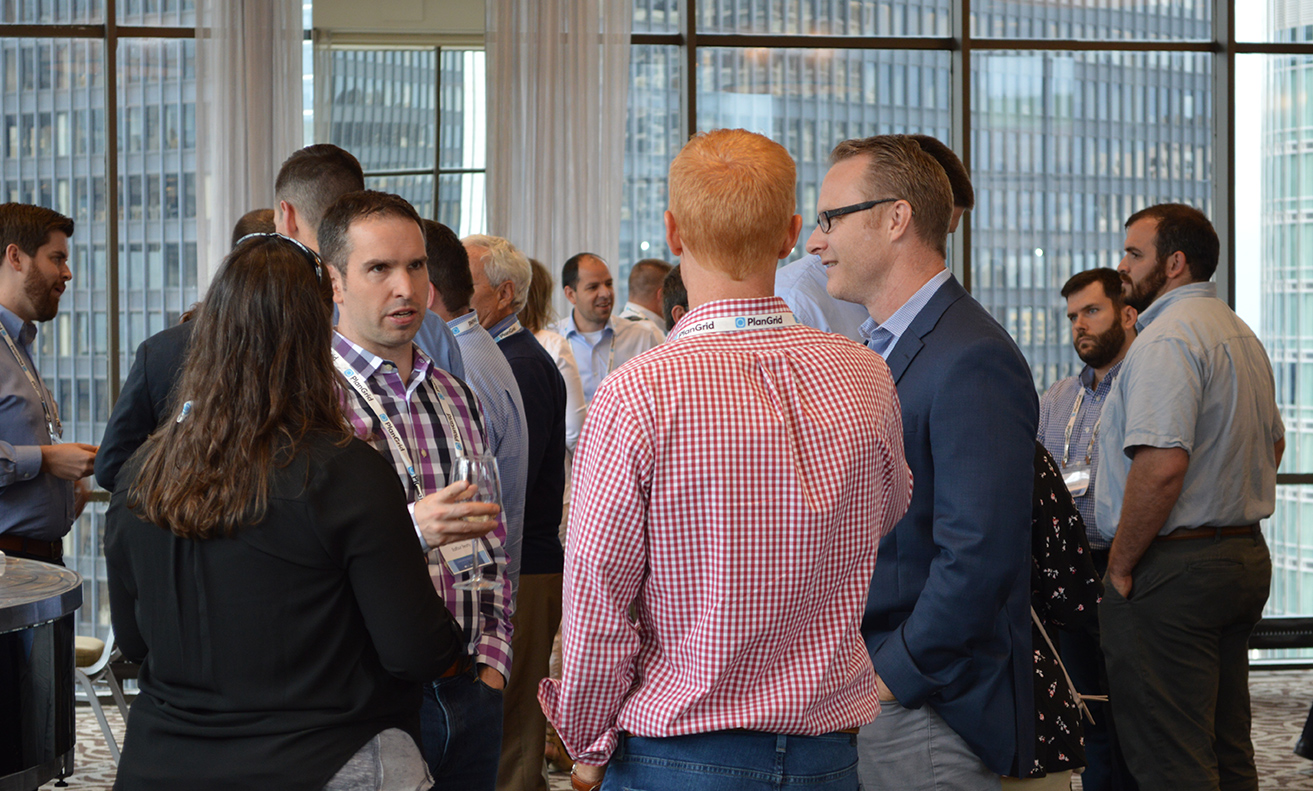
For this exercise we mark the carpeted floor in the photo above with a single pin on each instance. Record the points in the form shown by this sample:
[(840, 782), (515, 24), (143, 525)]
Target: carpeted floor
[(1281, 701)]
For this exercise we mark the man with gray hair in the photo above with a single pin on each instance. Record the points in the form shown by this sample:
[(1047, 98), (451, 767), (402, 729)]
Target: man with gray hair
[(501, 277), (487, 371)]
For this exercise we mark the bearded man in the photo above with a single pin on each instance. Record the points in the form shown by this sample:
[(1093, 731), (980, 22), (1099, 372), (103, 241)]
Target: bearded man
[(41, 488), (1102, 329)]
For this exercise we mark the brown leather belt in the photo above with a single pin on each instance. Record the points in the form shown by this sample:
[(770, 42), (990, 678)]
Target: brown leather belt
[(459, 667), (47, 550), (1186, 533)]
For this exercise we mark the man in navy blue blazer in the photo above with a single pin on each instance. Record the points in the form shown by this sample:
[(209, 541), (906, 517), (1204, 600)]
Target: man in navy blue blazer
[(948, 618)]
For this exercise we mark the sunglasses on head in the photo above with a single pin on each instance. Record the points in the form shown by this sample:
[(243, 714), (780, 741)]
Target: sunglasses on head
[(310, 255)]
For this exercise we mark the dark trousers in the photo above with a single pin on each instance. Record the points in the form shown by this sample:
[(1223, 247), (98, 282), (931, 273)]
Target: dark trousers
[(1082, 655), (1178, 665)]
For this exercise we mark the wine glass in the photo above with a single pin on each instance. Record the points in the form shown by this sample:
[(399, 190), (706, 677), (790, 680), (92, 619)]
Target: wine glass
[(481, 471)]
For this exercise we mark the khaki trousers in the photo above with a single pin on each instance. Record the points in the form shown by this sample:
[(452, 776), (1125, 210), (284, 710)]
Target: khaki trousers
[(524, 728)]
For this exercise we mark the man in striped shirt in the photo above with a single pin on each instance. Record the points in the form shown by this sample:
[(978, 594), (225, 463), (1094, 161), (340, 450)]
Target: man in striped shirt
[(421, 418), (731, 488)]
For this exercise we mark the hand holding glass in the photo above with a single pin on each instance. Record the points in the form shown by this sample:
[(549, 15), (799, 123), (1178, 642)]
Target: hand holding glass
[(481, 472)]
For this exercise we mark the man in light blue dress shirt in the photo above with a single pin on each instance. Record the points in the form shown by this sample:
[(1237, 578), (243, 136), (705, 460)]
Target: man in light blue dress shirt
[(600, 343), (801, 284), (487, 373), (1102, 330), (1188, 453), (41, 489)]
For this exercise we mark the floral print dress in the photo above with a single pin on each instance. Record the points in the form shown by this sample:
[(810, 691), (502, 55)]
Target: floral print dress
[(1065, 592)]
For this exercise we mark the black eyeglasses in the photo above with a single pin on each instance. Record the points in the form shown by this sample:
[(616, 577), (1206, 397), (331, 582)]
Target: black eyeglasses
[(310, 255), (826, 218)]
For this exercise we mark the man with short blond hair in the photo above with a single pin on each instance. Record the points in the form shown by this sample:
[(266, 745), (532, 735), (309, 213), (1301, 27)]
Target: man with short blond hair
[(948, 617), (802, 282), (730, 492)]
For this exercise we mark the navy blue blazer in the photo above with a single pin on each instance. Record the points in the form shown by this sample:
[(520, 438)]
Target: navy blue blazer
[(948, 618), (144, 399)]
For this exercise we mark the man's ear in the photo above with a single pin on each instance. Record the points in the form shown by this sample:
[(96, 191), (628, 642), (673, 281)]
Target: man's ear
[(672, 235), (15, 258), (286, 220), (339, 284), (1177, 265), (505, 295), (795, 228), (900, 219), (570, 293), (433, 295), (1129, 316)]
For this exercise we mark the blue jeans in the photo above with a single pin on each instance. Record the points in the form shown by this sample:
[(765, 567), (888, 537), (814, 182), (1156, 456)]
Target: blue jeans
[(460, 726), (734, 761)]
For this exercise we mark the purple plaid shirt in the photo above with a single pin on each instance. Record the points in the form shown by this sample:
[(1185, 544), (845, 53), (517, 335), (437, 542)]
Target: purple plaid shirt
[(413, 406)]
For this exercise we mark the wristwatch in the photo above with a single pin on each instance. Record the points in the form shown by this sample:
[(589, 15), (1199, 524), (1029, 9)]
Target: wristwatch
[(579, 785)]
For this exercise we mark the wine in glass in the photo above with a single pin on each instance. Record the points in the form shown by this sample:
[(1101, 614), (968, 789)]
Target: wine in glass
[(481, 472)]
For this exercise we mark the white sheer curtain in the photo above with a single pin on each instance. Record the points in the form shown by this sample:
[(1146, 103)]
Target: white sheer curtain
[(558, 81), (248, 112)]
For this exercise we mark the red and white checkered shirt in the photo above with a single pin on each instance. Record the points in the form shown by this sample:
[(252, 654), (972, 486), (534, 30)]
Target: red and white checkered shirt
[(734, 486)]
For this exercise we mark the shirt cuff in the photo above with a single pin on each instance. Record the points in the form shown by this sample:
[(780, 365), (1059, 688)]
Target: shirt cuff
[(27, 461), (496, 654), (423, 544)]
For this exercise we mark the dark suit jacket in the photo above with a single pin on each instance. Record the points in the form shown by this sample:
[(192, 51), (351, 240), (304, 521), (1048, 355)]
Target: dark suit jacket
[(143, 401), (948, 619), (543, 392)]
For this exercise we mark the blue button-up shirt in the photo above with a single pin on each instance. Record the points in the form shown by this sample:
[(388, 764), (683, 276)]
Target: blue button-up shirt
[(1054, 414), (488, 373), (1198, 379), (620, 342), (33, 504), (436, 340), (882, 338), (801, 285)]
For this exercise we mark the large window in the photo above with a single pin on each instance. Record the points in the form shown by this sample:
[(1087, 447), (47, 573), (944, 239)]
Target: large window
[(1070, 114), (103, 128), (415, 119)]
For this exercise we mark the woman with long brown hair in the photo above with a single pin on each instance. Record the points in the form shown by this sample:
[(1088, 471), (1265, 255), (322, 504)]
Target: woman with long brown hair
[(262, 563)]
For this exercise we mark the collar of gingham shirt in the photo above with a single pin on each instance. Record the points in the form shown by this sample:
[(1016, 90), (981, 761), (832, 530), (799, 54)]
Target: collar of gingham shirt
[(734, 487), (413, 406)]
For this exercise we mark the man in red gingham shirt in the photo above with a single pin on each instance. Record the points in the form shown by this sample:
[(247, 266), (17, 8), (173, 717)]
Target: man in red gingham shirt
[(733, 485)]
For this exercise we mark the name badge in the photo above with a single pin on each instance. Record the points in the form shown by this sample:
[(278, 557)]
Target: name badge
[(1077, 478), (458, 557)]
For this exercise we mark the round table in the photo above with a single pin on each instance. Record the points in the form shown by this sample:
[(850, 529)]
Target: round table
[(37, 601)]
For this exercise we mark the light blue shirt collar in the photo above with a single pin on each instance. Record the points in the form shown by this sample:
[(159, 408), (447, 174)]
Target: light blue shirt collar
[(882, 338), (572, 329), (23, 332), (506, 322), (1191, 291)]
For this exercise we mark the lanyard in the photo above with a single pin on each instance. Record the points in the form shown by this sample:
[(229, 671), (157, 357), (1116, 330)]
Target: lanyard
[(359, 384), (758, 321), (53, 426), (516, 327), (1071, 425), (466, 324)]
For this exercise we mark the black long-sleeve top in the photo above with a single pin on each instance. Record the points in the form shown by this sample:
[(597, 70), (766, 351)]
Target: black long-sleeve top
[(270, 657)]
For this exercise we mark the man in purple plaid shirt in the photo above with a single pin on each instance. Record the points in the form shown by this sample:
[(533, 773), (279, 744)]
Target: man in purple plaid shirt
[(374, 245)]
